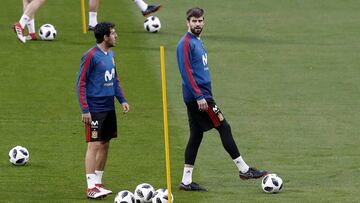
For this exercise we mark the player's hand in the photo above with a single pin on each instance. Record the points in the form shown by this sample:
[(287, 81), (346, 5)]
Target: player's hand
[(203, 106), (126, 107), (86, 118)]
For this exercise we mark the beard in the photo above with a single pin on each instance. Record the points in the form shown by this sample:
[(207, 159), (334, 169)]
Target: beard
[(109, 44), (196, 30)]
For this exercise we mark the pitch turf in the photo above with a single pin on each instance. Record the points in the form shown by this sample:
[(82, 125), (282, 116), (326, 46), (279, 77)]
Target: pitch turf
[(285, 73)]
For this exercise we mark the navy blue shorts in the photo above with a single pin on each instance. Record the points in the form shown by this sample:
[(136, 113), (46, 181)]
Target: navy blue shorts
[(103, 126)]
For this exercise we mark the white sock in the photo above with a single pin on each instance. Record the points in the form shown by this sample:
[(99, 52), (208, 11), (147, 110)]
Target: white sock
[(31, 26), (141, 4), (93, 19), (99, 175), (240, 163), (90, 178), (24, 20), (187, 175)]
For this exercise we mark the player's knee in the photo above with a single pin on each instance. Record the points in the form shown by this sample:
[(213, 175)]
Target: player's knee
[(104, 145), (225, 125), (93, 146)]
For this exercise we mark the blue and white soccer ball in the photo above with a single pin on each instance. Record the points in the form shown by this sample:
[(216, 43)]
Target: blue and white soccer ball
[(47, 32), (124, 196), (161, 196), (152, 24), (144, 193), (19, 155), (271, 183)]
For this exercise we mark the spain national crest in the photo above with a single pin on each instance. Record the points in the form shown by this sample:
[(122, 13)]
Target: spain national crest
[(94, 134)]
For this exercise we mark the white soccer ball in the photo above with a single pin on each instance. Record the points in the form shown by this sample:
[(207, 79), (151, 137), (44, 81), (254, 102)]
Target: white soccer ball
[(124, 196), (152, 24), (161, 196), (144, 193), (272, 183), (47, 32), (19, 156)]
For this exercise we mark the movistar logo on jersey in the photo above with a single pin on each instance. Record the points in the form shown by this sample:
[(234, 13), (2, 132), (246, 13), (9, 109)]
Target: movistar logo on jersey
[(204, 59), (109, 75)]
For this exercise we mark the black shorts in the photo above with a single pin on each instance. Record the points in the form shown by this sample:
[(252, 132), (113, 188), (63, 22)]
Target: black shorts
[(205, 120), (103, 127)]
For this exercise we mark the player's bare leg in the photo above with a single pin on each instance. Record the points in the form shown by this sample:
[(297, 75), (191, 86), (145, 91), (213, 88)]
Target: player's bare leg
[(92, 191), (28, 15), (101, 156), (93, 8), (31, 24), (101, 159)]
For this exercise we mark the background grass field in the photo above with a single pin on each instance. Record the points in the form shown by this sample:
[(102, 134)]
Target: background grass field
[(285, 73)]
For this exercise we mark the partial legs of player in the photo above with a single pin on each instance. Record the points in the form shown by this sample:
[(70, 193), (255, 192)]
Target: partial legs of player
[(93, 8), (196, 135), (145, 9), (27, 19), (101, 159), (31, 24), (95, 160)]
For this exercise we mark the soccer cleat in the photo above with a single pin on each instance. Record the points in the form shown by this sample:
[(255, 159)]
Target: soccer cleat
[(192, 187), (95, 193), (19, 32), (30, 37), (101, 187), (151, 9), (91, 28), (252, 173)]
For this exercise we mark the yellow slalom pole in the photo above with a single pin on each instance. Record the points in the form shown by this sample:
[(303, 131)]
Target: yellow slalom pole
[(83, 16), (166, 131)]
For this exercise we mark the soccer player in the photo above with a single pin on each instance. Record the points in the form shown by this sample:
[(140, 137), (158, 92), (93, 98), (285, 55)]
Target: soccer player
[(145, 9), (97, 85), (27, 19), (203, 113)]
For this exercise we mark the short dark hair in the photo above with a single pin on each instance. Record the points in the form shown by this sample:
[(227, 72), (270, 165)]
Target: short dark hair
[(102, 29), (194, 12)]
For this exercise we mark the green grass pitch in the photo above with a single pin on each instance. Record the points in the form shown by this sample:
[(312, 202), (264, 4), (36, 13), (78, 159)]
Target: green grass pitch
[(285, 74)]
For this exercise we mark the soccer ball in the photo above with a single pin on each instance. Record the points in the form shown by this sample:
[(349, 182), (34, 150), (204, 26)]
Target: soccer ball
[(144, 193), (19, 156), (152, 24), (124, 196), (47, 32), (161, 196), (271, 183)]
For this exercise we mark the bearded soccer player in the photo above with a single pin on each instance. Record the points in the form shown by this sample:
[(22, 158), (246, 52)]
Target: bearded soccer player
[(97, 85), (203, 113)]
